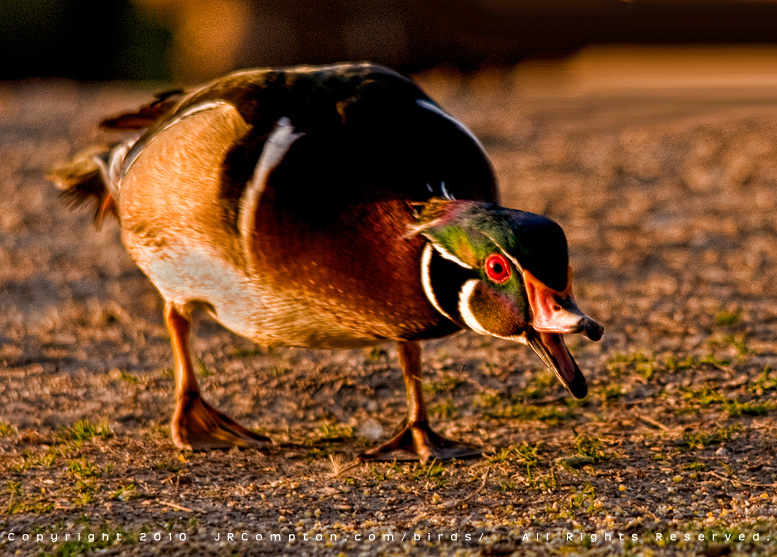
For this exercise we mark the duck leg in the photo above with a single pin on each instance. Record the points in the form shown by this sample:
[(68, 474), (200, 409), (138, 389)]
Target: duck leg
[(196, 424), (415, 440)]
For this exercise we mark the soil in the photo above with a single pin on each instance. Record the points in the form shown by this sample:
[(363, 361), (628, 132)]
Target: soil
[(668, 200)]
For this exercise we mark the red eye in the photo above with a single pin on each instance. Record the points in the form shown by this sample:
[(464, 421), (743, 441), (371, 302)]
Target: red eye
[(497, 268)]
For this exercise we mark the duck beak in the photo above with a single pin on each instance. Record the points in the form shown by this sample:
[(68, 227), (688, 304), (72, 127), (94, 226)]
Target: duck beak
[(553, 352), (554, 314)]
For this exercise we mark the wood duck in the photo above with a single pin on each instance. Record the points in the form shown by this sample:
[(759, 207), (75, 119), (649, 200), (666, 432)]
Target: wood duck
[(327, 207)]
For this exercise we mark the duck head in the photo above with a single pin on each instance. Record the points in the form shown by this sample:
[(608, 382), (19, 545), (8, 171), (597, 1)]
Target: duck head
[(504, 273)]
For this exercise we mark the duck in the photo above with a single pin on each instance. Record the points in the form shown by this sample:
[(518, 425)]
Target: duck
[(326, 207)]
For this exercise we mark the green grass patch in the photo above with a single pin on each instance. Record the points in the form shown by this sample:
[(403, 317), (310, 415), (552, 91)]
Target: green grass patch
[(706, 397), (508, 486), (384, 473), (6, 429), (82, 468), (124, 493), (85, 492), (702, 439), (590, 451), (32, 460), (487, 400), (377, 354), (38, 506), (330, 431), (433, 472), (767, 381), (738, 341), (445, 385), (728, 318), (168, 465), (280, 371), (702, 398), (675, 364), (85, 430), (695, 466), (545, 380), (525, 453), (736, 408), (444, 410), (610, 394), (129, 378), (639, 363), (14, 488), (203, 369), (585, 497), (592, 448), (548, 482)]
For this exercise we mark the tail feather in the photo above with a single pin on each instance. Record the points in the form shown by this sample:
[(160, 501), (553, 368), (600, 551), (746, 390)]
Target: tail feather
[(82, 181), (92, 177)]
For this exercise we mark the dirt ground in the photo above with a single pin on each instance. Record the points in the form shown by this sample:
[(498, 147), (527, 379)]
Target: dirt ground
[(668, 200)]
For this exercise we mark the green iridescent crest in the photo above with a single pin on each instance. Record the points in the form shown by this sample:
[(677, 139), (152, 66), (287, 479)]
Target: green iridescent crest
[(469, 231)]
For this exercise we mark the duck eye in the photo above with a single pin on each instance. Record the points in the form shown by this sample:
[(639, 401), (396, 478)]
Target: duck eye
[(497, 268)]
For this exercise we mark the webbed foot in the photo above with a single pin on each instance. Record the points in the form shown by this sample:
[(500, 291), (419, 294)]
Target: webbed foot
[(200, 427), (418, 441)]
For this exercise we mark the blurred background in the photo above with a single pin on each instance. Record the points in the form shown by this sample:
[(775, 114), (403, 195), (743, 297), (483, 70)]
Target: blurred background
[(192, 40)]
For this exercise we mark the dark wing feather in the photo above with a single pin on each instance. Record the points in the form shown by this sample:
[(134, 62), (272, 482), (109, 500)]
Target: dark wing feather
[(146, 115)]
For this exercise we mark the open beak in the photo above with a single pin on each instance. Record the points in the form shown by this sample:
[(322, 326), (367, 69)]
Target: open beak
[(554, 314)]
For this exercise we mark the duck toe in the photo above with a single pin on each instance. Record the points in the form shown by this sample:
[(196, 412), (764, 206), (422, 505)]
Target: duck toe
[(200, 427), (418, 441)]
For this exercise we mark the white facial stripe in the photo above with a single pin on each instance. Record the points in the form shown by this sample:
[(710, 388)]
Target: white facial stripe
[(450, 257), (437, 110), (275, 148), (426, 259), (466, 313)]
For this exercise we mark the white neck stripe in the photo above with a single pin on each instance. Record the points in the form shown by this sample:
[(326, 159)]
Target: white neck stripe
[(466, 313), (426, 260)]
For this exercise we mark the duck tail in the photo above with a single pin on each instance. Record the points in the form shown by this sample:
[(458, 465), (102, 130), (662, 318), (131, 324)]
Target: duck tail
[(91, 178)]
